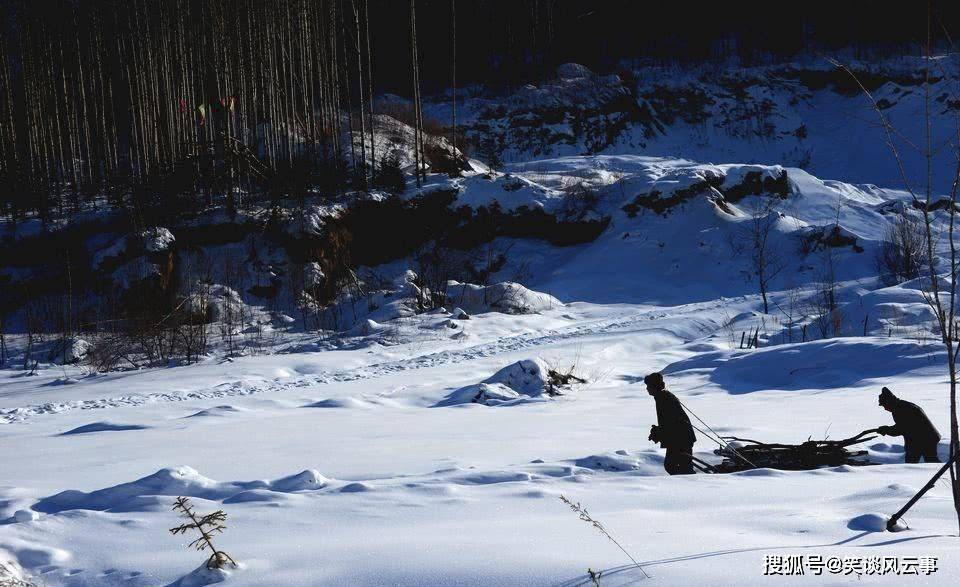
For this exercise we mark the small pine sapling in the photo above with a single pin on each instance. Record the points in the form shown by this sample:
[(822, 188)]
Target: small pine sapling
[(207, 525)]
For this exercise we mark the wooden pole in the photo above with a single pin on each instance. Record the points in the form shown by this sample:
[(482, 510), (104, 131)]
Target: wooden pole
[(892, 522)]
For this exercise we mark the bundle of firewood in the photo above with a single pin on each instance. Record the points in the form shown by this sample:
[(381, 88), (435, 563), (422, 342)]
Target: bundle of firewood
[(741, 454)]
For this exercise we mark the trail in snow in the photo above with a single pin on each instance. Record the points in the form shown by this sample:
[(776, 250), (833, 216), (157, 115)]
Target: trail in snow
[(697, 325)]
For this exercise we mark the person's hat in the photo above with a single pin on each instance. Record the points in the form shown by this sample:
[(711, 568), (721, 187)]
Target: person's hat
[(653, 378), (886, 396)]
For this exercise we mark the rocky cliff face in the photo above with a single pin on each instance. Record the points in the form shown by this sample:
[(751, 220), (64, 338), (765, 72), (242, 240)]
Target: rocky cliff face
[(811, 116)]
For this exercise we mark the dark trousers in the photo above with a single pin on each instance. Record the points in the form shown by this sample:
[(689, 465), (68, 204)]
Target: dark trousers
[(679, 460), (927, 450)]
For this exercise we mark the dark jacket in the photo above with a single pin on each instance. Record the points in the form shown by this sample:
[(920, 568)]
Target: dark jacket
[(910, 421), (672, 421)]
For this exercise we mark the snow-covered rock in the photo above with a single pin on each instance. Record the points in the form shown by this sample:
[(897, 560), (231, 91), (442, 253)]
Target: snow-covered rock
[(157, 239), (506, 297), (491, 394), (393, 141), (25, 516), (523, 379), (313, 275), (215, 302), (507, 193), (570, 71), (873, 523), (315, 219), (70, 350), (77, 350), (11, 573)]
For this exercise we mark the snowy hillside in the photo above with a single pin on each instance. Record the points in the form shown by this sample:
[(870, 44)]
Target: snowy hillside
[(809, 115), (431, 448)]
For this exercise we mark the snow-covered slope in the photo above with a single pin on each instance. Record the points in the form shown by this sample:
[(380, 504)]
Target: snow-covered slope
[(362, 465), (419, 444), (404, 493)]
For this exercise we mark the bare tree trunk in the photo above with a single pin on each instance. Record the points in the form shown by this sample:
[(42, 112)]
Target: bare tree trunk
[(373, 154), (363, 124), (3, 344), (453, 26)]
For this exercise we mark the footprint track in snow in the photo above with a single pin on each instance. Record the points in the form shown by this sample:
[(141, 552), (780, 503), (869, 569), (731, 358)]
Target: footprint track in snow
[(509, 344)]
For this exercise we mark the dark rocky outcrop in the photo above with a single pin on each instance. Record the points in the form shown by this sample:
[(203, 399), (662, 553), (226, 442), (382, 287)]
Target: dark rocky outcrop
[(753, 183)]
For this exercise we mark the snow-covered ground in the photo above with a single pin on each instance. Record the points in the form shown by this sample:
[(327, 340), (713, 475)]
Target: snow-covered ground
[(367, 464)]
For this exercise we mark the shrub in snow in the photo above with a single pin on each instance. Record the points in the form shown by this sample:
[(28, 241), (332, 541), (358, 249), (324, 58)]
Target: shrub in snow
[(206, 525), (901, 254), (389, 176), (558, 380)]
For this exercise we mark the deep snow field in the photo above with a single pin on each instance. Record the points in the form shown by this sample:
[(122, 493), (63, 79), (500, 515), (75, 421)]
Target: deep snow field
[(369, 464)]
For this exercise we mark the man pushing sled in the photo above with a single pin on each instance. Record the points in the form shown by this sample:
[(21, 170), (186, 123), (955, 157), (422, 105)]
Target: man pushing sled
[(920, 436)]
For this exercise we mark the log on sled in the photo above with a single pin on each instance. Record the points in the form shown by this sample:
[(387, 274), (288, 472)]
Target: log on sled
[(812, 454)]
